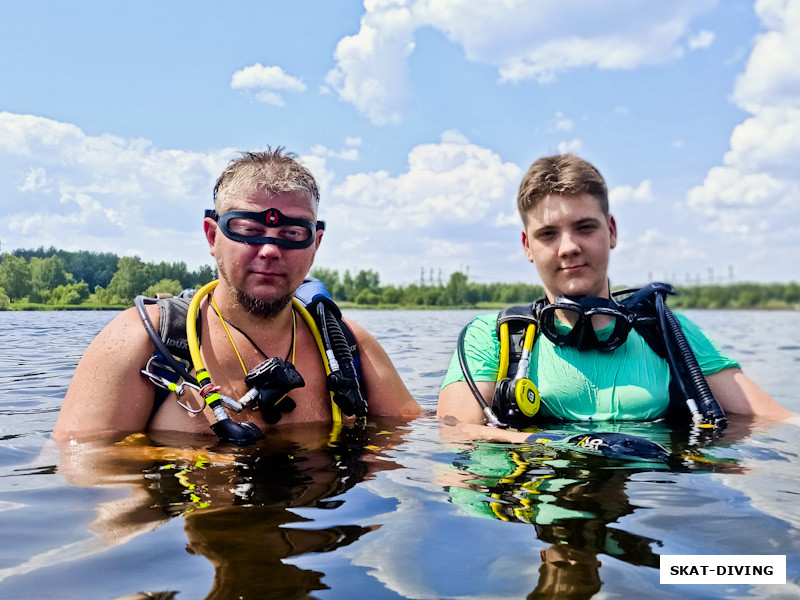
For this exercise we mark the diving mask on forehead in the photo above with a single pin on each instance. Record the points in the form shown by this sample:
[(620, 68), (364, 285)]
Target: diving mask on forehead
[(585, 322), (267, 227)]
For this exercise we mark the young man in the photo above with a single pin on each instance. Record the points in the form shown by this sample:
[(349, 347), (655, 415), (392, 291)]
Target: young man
[(263, 257), (568, 235)]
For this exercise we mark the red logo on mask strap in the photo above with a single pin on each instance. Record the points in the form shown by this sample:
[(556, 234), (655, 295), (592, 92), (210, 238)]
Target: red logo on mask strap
[(272, 217)]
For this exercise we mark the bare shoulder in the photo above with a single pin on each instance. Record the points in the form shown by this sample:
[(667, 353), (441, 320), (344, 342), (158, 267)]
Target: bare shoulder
[(107, 393), (737, 393), (387, 395)]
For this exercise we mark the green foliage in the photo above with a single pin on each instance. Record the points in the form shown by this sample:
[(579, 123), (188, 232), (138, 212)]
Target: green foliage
[(98, 268), (737, 296), (58, 278), (350, 288), (68, 294), (15, 276), (95, 268), (328, 277), (47, 273), (368, 297), (391, 295), (105, 298), (202, 276), (164, 286), (132, 278)]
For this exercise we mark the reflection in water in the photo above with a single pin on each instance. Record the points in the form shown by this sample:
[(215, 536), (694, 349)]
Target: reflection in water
[(574, 500), (236, 504), (268, 519)]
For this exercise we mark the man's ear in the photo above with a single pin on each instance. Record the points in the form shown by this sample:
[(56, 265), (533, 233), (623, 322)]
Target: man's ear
[(319, 234), (317, 242), (526, 245), (211, 230), (612, 227)]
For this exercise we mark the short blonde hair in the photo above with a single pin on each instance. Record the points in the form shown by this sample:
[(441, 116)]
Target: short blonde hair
[(271, 170)]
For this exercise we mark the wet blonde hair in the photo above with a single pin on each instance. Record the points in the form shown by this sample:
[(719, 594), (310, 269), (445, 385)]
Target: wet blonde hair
[(272, 170)]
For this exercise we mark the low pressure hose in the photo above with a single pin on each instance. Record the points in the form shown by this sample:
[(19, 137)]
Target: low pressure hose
[(707, 404), (490, 417), (227, 430), (345, 382), (162, 349)]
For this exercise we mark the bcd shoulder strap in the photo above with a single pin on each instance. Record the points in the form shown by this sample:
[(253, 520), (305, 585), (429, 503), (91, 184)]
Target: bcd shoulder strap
[(172, 325)]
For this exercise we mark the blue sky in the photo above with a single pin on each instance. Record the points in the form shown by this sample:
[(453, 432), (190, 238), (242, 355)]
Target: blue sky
[(418, 118)]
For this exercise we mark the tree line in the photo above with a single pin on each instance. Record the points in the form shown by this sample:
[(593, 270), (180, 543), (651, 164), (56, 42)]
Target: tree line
[(62, 278), (53, 277), (364, 288)]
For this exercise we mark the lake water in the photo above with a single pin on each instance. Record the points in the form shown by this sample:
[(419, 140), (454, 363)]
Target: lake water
[(389, 511)]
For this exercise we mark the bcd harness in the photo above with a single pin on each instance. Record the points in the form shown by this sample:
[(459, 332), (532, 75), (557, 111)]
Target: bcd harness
[(516, 399), (177, 343)]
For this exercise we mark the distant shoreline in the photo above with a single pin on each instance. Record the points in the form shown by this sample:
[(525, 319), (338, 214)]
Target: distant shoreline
[(34, 307)]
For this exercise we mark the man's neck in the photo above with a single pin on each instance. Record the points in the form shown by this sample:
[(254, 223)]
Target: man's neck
[(232, 310)]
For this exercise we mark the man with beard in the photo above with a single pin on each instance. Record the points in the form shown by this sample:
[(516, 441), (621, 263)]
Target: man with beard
[(264, 235)]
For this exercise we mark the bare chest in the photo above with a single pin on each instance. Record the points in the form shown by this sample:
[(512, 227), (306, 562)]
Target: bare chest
[(228, 368)]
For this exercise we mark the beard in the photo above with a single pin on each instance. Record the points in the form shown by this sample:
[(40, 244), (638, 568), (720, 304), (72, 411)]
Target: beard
[(266, 309)]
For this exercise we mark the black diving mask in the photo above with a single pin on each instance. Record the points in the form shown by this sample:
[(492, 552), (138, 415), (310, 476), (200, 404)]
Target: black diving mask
[(270, 226), (585, 322)]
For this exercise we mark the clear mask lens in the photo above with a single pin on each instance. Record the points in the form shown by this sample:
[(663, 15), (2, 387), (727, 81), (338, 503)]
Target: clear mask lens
[(254, 229)]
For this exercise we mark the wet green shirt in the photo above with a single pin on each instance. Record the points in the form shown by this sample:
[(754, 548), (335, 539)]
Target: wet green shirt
[(629, 383)]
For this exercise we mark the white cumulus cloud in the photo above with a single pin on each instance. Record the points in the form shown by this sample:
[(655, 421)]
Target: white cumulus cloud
[(522, 39), (625, 194), (702, 39), (102, 193), (265, 83), (752, 196), (447, 197)]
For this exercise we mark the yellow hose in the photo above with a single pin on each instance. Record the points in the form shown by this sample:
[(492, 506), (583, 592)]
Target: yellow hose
[(504, 352), (194, 342), (312, 327), (203, 377)]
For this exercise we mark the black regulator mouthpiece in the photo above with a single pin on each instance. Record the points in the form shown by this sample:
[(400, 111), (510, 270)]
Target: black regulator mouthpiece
[(516, 401), (273, 379), (504, 402), (241, 434)]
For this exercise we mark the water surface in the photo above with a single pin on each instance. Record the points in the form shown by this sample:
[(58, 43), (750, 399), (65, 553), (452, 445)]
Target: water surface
[(387, 511)]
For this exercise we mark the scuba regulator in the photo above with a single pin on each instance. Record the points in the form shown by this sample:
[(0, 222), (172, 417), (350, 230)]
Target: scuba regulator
[(516, 399), (269, 383)]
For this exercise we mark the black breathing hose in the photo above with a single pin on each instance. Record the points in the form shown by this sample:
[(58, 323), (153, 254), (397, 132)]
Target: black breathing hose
[(347, 381), (488, 414), (706, 402), (176, 366), (334, 339)]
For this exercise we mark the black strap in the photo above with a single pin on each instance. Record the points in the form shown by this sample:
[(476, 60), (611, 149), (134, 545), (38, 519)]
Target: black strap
[(172, 325)]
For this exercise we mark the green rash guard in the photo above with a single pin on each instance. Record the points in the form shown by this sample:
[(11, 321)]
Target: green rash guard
[(629, 383)]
